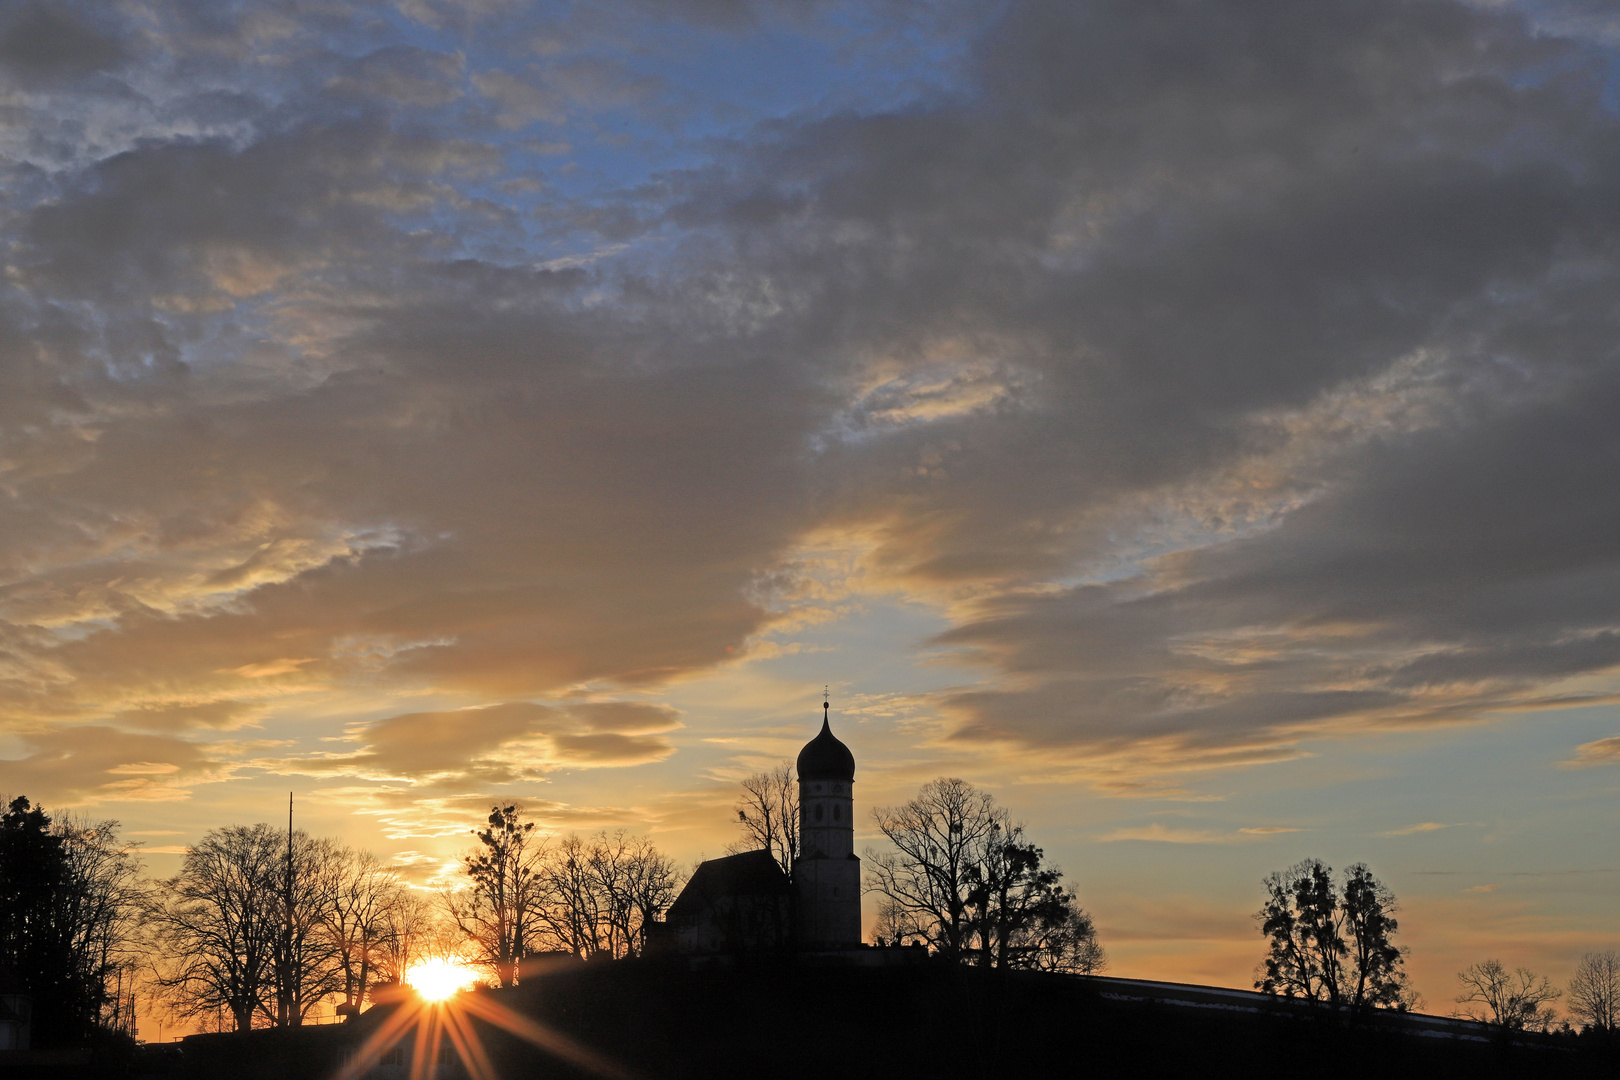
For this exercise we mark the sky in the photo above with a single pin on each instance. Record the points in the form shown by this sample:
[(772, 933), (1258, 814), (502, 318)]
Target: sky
[(1194, 422)]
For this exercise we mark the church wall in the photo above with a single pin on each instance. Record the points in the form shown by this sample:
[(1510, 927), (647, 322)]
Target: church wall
[(828, 893)]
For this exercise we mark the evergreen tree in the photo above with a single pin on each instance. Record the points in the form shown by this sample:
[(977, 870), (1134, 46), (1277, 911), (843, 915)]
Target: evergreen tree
[(66, 904)]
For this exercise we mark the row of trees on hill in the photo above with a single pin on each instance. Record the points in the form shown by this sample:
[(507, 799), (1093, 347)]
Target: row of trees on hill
[(962, 877), (594, 898), (1332, 942), (263, 925), (1521, 1000)]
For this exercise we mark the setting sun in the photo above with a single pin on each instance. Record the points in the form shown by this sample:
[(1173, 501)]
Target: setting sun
[(438, 979)]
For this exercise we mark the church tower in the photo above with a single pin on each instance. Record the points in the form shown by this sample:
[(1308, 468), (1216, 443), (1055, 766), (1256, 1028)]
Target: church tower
[(827, 873)]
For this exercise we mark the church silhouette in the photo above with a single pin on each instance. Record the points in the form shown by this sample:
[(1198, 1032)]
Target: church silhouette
[(746, 904)]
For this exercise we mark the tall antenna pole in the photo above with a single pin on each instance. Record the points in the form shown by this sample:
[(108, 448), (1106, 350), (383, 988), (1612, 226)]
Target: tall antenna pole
[(289, 975)]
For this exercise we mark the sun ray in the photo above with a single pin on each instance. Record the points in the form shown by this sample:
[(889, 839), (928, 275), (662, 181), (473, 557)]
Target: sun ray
[(467, 1044), (552, 1042), (428, 1023), (426, 1032), (381, 1041)]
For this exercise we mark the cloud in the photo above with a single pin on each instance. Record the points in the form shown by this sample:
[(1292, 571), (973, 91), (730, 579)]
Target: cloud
[(1597, 752), (175, 716), (403, 75), (90, 765), (1158, 833), (1421, 827), (1225, 382), (43, 45), (1304, 505), (496, 744)]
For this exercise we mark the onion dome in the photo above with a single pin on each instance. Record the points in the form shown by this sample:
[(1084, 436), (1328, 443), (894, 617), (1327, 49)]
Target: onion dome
[(825, 758)]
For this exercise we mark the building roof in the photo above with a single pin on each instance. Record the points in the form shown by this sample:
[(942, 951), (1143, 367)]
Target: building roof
[(825, 758), (751, 873)]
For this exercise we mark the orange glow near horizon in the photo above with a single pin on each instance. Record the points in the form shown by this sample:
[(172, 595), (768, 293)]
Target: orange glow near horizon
[(439, 979)]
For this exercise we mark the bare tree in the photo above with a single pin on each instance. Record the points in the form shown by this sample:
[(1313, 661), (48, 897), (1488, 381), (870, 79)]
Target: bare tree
[(640, 882), (964, 878), (100, 912), (499, 910), (305, 961), (411, 932), (939, 839), (360, 920), (1328, 945), (1594, 991), (1508, 1001), (574, 915), (768, 815), (602, 893), (217, 923)]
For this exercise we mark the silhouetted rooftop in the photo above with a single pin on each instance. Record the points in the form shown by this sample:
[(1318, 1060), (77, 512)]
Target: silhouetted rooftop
[(750, 873)]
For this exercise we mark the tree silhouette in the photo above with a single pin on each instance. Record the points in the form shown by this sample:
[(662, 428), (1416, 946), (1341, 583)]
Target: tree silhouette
[(100, 911), (1331, 946), (33, 876), (305, 960), (602, 893), (963, 877), (69, 897), (1368, 918), (1011, 896), (499, 913), (360, 920), (768, 815), (939, 837), (217, 921), (1509, 1001), (1594, 991)]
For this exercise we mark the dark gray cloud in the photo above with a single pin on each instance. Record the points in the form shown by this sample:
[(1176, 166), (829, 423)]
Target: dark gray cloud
[(44, 45), (1315, 297)]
